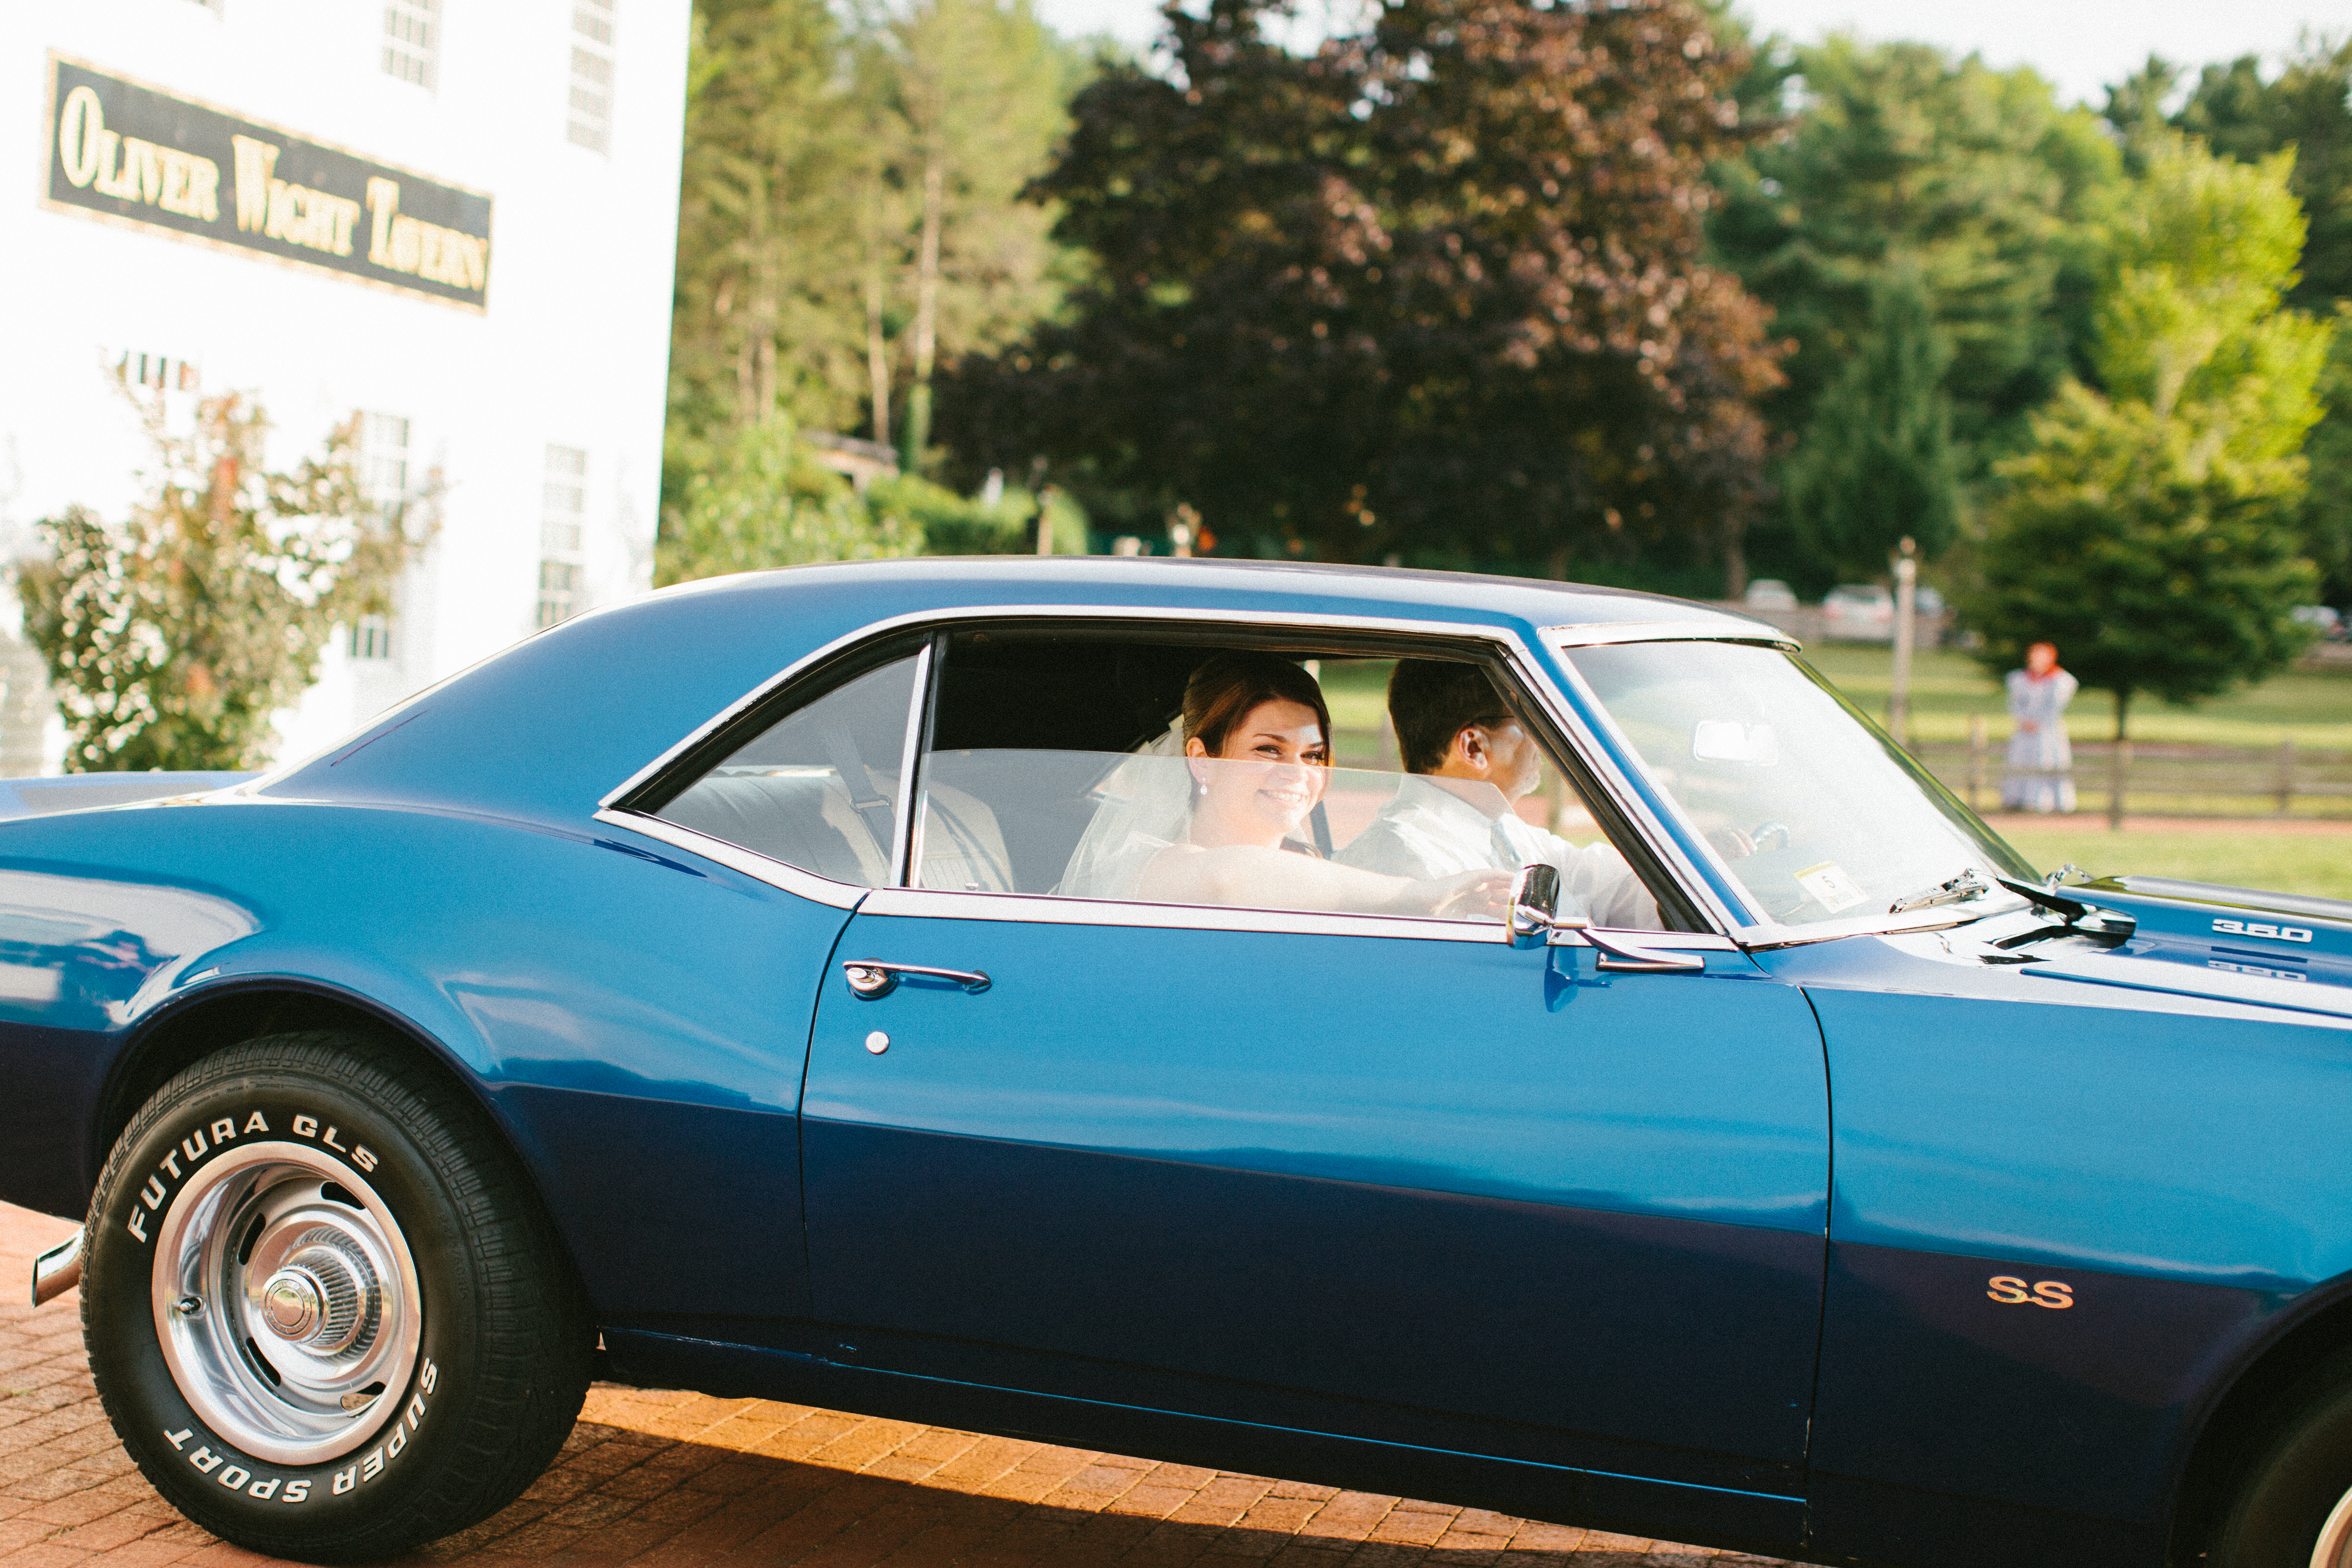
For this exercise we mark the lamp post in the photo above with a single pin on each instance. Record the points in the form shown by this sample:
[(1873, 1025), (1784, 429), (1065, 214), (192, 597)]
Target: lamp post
[(1906, 603)]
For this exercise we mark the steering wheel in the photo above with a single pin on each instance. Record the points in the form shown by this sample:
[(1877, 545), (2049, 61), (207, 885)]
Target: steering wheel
[(1768, 836)]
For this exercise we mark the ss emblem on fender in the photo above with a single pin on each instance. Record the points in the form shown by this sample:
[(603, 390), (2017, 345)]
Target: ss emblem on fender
[(2012, 1291)]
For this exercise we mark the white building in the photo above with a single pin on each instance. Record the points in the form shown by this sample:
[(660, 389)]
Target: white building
[(456, 218)]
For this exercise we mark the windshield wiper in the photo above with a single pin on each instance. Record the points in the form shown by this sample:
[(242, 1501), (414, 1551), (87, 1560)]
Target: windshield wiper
[(1966, 885)]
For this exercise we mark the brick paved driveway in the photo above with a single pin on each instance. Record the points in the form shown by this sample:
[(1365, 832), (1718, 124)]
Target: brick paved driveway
[(681, 1480)]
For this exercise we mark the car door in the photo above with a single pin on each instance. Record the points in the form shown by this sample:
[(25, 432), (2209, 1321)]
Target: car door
[(1390, 1178)]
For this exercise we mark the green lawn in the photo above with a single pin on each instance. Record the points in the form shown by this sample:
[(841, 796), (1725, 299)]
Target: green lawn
[(1356, 691), (2315, 863), (2311, 707)]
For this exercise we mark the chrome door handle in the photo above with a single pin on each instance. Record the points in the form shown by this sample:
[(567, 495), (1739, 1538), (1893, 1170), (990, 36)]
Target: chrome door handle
[(871, 978)]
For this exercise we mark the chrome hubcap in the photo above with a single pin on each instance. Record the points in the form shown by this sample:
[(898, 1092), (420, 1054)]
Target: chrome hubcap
[(2334, 1549), (286, 1301)]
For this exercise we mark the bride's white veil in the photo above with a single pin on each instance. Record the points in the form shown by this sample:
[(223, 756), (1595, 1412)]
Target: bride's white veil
[(1146, 805)]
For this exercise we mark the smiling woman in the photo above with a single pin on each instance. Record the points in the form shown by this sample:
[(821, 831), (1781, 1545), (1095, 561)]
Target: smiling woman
[(1257, 761)]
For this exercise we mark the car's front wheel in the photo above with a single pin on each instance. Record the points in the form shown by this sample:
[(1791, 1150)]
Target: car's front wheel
[(2292, 1506), (323, 1310)]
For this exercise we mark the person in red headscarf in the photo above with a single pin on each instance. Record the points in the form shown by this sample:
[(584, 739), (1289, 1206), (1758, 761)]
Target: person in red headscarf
[(2041, 776)]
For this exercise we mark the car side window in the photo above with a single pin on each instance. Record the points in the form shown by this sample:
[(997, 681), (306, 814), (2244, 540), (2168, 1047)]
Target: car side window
[(1112, 768), (817, 788)]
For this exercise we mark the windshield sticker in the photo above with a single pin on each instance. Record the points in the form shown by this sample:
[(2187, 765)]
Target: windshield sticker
[(1831, 888)]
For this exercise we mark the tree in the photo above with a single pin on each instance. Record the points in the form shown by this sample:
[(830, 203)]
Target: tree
[(2151, 530), (172, 636), (763, 501), (767, 315), (977, 89), (2328, 506), (851, 198), (1899, 157), (1434, 286), (2308, 107), (1876, 464)]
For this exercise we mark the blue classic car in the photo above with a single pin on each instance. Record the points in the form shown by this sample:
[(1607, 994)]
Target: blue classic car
[(1604, 1080)]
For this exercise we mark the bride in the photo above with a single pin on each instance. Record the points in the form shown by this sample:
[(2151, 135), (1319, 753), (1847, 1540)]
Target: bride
[(1212, 811)]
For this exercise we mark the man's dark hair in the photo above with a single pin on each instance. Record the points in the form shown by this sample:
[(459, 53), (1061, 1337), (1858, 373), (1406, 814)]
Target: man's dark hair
[(1430, 702)]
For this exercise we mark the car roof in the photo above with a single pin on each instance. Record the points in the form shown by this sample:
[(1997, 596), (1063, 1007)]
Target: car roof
[(551, 724), (1205, 581)]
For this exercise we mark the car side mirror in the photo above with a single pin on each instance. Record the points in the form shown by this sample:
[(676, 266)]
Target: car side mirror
[(1535, 904)]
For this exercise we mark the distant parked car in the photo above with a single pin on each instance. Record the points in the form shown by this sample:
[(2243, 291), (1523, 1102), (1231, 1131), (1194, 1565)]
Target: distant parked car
[(1770, 593), (2330, 623), (1858, 611), (1929, 602)]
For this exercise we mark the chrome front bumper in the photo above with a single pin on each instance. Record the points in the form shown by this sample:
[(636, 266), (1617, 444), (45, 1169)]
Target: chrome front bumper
[(58, 1270)]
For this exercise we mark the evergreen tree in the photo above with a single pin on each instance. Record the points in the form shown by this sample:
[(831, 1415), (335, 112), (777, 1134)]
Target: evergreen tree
[(767, 315), (2151, 530), (978, 91), (1898, 155), (1876, 463), (851, 200)]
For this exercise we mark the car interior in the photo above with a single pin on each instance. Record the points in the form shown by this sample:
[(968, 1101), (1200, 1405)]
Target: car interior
[(1025, 726)]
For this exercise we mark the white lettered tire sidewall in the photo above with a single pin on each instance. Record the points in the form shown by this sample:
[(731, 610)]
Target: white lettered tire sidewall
[(385, 1466)]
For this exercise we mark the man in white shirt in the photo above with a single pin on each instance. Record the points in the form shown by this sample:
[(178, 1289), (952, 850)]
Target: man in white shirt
[(1468, 760)]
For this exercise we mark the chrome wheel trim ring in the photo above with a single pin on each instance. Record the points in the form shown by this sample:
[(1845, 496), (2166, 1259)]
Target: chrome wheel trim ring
[(2334, 1548), (286, 1301)]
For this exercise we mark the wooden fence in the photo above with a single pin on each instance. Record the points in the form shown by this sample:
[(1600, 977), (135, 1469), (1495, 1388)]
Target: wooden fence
[(2157, 779), (2161, 780)]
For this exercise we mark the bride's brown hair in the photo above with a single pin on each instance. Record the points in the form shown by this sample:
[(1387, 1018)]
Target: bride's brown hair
[(1224, 690)]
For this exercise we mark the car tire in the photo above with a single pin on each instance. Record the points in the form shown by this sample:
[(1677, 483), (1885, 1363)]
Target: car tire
[(324, 1309), (2299, 1489)]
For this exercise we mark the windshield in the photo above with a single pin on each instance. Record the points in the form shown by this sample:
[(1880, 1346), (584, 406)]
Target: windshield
[(1819, 815)]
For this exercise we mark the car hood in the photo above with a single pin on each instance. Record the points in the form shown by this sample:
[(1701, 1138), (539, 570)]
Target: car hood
[(2234, 945)]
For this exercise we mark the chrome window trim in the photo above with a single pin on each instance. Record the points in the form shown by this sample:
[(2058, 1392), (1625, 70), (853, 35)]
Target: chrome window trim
[(1514, 652), (918, 705), (1600, 636), (735, 858), (1050, 909), (1768, 934)]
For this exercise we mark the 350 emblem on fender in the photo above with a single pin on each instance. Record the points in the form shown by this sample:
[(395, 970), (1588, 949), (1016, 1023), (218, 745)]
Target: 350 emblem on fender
[(2012, 1291), (2262, 929)]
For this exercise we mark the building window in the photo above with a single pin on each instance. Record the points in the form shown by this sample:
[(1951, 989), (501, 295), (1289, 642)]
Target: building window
[(372, 638), (161, 372), (384, 464), (384, 487), (592, 74), (563, 507), (411, 39)]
